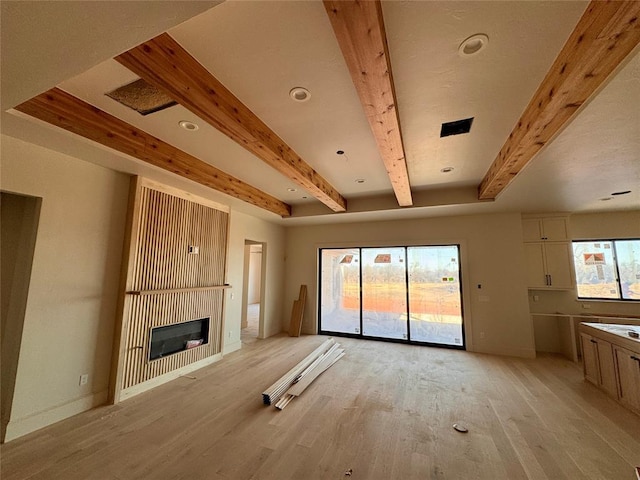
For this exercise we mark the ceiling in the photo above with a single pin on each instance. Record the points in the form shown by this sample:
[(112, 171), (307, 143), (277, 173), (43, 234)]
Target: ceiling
[(260, 50)]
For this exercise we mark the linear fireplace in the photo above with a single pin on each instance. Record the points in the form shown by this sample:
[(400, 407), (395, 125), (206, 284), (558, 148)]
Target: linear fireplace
[(178, 337)]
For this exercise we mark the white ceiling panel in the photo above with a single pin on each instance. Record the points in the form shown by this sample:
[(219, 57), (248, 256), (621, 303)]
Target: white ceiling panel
[(261, 49)]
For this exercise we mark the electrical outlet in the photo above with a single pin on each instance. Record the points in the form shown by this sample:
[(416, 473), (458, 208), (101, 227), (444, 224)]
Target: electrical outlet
[(229, 333), (481, 334), (536, 298), (586, 306), (84, 379)]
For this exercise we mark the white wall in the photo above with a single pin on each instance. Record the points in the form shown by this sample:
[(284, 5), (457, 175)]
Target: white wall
[(245, 227), (492, 255), (584, 227), (71, 306), (69, 317), (254, 280)]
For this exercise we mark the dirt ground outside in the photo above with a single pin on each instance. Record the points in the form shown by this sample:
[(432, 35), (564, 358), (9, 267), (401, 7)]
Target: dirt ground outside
[(609, 290), (432, 300)]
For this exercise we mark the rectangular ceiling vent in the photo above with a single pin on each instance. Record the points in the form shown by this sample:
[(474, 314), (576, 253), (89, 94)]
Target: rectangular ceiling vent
[(142, 97), (456, 128)]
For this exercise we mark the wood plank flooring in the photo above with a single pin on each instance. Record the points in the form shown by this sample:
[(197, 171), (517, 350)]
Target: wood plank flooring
[(384, 410)]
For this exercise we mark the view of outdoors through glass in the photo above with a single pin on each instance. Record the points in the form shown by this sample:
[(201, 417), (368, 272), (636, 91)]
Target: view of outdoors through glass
[(340, 290), (434, 295), (607, 269), (428, 277), (384, 293)]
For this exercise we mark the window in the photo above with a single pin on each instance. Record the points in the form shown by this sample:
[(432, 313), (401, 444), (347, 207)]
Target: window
[(405, 294), (607, 269)]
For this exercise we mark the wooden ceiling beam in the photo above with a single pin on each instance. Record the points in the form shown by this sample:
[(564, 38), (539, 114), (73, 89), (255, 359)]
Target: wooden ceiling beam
[(63, 110), (605, 35), (165, 64), (359, 28)]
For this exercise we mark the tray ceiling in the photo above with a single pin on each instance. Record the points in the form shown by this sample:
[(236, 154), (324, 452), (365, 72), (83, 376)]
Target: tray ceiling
[(261, 50)]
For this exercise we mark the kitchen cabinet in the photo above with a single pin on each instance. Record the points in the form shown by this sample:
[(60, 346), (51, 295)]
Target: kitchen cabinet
[(628, 367), (598, 364), (611, 361), (548, 229), (549, 265)]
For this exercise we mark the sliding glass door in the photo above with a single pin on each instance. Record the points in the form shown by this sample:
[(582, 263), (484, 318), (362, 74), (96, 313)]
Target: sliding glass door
[(340, 290), (410, 294), (384, 293), (435, 307)]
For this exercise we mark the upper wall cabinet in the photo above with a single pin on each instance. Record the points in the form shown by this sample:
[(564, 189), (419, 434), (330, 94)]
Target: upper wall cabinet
[(539, 229), (549, 266), (548, 252)]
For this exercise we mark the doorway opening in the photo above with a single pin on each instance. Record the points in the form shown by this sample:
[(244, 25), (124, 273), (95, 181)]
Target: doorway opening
[(253, 291), (19, 217), (401, 294)]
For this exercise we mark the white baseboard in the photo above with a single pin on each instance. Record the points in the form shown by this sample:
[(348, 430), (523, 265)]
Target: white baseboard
[(509, 352), (232, 347), (22, 426), (167, 377)]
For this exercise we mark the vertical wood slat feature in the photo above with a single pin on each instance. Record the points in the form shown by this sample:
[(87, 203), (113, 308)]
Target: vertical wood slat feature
[(63, 110), (359, 29), (605, 35), (162, 227), (135, 211), (163, 261), (147, 312), (163, 63)]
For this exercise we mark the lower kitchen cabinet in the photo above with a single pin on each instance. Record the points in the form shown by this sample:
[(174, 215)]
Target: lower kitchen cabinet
[(611, 361), (628, 367), (599, 368)]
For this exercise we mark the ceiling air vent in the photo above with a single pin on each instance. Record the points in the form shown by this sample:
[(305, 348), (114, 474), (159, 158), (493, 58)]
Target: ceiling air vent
[(142, 97), (456, 128)]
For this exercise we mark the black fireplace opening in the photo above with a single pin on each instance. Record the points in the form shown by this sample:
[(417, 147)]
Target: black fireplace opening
[(178, 337)]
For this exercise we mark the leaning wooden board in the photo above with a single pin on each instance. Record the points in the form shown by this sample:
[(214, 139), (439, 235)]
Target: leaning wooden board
[(297, 313)]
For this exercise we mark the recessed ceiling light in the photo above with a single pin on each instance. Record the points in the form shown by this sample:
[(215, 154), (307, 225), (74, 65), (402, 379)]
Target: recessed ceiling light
[(624, 192), (606, 199), (192, 127), (446, 169), (304, 197), (360, 180), (340, 152), (292, 189), (472, 45), (300, 94)]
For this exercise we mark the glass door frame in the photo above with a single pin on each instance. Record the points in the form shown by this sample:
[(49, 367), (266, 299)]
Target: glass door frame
[(408, 340)]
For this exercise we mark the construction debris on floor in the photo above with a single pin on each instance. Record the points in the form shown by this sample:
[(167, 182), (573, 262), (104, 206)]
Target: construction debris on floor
[(298, 311), (296, 380)]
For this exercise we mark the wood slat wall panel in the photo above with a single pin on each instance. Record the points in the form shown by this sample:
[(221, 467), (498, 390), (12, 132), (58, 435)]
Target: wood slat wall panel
[(162, 261), (167, 226), (161, 310)]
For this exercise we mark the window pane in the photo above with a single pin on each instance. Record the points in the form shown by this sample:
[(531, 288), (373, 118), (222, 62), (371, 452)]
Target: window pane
[(628, 255), (340, 302), (595, 269), (384, 293), (435, 307)]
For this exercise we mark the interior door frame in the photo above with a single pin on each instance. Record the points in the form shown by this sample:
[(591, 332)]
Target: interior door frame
[(245, 278), (26, 210)]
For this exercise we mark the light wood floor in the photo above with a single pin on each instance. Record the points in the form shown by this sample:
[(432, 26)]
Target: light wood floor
[(249, 334), (385, 411)]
